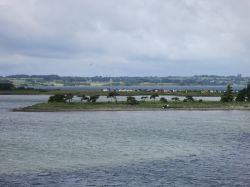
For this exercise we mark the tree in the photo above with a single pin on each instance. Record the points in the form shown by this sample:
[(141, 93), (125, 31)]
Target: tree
[(57, 98), (143, 98), (228, 95), (69, 97), (113, 95), (131, 100), (244, 94), (84, 97), (175, 99), (163, 100), (153, 96), (93, 98), (248, 92), (241, 96), (6, 85), (189, 98)]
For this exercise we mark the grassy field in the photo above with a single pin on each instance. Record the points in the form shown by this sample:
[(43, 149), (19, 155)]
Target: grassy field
[(157, 105)]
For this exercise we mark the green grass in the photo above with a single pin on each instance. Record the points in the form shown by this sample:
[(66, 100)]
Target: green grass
[(209, 105)]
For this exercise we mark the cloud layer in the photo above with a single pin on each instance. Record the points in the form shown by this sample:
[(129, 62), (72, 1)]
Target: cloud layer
[(132, 37)]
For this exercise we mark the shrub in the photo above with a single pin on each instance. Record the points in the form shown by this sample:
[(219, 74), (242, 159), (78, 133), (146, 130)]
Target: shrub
[(153, 96), (163, 100), (93, 98), (175, 99), (189, 98), (228, 95), (57, 98), (6, 85), (131, 100)]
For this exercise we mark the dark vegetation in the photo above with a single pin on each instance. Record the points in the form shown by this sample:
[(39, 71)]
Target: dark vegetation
[(6, 85), (242, 96), (154, 96), (228, 95), (189, 98), (132, 101), (67, 98), (163, 100), (113, 95), (63, 102)]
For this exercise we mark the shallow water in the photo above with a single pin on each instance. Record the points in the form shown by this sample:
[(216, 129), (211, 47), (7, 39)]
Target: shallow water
[(163, 148)]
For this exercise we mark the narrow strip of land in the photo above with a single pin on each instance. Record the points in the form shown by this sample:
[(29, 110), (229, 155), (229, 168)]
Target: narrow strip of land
[(141, 106), (105, 93)]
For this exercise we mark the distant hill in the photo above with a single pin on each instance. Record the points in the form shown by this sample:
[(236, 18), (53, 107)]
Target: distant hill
[(124, 80)]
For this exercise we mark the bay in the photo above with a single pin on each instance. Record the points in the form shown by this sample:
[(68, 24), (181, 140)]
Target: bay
[(160, 148)]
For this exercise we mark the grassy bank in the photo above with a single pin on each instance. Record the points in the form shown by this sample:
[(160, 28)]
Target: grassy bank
[(111, 106)]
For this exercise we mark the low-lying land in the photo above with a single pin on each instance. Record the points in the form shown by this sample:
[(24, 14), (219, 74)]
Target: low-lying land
[(141, 106), (104, 93)]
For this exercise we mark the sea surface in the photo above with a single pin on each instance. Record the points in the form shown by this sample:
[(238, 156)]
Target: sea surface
[(158, 148)]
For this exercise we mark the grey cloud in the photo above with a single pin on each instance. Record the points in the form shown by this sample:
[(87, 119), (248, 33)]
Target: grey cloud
[(125, 37)]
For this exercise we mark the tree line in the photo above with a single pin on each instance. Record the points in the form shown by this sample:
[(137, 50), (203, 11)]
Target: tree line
[(242, 96), (228, 96), (67, 98)]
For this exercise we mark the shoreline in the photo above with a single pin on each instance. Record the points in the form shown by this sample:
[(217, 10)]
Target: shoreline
[(140, 106)]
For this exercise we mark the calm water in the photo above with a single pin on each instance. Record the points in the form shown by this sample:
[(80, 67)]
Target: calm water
[(163, 148)]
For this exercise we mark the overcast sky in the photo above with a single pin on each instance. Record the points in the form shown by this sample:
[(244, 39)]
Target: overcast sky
[(125, 37)]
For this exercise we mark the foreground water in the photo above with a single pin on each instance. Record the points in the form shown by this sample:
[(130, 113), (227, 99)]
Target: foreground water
[(164, 148)]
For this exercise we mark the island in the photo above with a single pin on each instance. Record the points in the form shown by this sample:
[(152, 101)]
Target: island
[(142, 106), (66, 102)]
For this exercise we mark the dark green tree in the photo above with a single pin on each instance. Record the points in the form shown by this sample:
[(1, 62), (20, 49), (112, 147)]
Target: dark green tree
[(143, 98), (93, 98), (248, 92), (84, 97), (113, 95), (69, 97), (244, 94), (163, 100), (175, 99), (131, 100), (6, 85), (228, 95), (189, 98), (241, 96), (57, 98), (153, 96)]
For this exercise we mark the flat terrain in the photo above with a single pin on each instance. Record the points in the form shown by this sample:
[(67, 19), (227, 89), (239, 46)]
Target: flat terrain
[(103, 93), (142, 106)]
